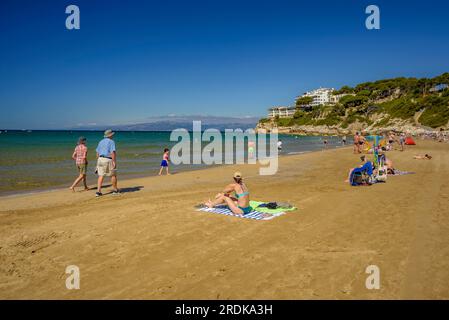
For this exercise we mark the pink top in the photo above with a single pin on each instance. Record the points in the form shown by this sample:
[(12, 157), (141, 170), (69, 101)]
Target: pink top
[(165, 156), (80, 154)]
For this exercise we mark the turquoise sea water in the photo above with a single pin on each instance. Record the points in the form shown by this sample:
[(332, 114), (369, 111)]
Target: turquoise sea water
[(42, 159)]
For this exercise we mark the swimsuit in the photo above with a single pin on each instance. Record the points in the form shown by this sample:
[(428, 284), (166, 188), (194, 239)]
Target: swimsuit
[(239, 195), (247, 209)]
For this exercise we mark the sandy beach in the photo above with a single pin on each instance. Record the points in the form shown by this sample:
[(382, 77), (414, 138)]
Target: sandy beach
[(149, 242)]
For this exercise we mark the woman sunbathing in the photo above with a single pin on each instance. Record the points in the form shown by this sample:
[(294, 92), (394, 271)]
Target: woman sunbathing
[(238, 204), (422, 157)]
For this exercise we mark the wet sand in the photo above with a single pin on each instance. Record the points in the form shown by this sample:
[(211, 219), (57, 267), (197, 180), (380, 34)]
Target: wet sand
[(149, 242)]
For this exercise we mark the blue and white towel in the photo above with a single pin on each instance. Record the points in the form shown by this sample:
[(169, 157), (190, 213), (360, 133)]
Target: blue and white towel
[(255, 215)]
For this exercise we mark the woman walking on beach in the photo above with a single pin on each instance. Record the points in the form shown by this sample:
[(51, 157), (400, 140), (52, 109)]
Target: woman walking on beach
[(80, 157), (238, 204)]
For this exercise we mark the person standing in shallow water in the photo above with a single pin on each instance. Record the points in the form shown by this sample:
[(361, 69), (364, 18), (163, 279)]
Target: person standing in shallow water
[(80, 157), (106, 162), (325, 143)]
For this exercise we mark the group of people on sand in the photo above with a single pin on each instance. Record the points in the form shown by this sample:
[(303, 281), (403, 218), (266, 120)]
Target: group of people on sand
[(368, 166), (234, 195), (106, 163), (391, 137)]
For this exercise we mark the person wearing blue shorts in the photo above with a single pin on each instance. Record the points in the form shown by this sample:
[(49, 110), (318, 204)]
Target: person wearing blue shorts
[(164, 162)]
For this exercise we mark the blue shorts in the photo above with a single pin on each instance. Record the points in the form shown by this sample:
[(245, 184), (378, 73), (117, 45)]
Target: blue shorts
[(164, 163)]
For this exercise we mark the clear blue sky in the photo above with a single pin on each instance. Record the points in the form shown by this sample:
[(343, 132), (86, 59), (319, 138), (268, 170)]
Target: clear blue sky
[(135, 59)]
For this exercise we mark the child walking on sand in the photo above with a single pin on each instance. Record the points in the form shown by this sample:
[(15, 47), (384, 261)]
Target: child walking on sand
[(165, 160), (80, 157)]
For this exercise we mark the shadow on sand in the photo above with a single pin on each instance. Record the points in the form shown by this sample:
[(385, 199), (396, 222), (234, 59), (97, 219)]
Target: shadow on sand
[(130, 189), (122, 190)]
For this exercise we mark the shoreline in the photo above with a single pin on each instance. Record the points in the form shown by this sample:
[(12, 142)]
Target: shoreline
[(9, 194)]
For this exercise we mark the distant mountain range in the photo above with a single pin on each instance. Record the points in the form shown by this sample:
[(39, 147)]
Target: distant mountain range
[(168, 123)]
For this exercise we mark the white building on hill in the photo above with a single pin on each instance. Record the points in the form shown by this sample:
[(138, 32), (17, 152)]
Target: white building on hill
[(320, 96)]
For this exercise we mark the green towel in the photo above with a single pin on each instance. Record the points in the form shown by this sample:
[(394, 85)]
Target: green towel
[(255, 204)]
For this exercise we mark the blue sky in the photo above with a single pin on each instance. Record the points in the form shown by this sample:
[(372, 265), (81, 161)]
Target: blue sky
[(137, 59)]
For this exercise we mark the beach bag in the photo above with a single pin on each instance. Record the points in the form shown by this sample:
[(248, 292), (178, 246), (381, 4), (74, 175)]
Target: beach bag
[(272, 205), (269, 205)]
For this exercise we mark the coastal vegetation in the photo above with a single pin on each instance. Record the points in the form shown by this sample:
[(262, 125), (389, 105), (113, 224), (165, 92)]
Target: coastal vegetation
[(379, 103)]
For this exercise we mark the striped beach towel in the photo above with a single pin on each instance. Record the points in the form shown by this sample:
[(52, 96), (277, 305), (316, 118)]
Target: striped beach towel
[(255, 215)]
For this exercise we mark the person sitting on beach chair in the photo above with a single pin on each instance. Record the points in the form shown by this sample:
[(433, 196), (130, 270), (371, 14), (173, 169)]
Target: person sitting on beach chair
[(238, 204), (363, 174)]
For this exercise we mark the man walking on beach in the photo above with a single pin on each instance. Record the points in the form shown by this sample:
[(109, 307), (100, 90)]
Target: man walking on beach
[(106, 162)]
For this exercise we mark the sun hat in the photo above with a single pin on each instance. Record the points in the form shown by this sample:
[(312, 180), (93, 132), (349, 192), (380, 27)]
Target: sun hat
[(108, 133), (238, 175)]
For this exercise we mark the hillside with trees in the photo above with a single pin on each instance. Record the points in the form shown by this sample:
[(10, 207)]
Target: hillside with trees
[(383, 104)]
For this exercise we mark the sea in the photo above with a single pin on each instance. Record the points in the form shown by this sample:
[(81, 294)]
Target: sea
[(41, 160)]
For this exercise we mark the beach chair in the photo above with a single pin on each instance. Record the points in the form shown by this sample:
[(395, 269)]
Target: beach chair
[(362, 176)]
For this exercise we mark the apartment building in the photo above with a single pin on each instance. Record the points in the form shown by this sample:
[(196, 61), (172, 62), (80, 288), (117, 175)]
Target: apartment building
[(281, 112)]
